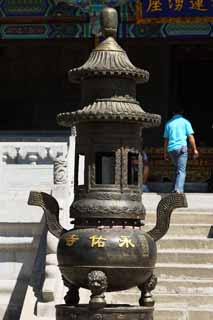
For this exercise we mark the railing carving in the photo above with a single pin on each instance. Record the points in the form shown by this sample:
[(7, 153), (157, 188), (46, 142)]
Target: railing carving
[(31, 152)]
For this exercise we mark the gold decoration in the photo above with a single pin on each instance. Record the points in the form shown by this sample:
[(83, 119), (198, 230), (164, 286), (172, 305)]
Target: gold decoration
[(71, 240), (97, 241), (125, 241), (145, 246)]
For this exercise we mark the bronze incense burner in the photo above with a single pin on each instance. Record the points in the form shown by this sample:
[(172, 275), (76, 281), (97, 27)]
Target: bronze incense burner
[(107, 250)]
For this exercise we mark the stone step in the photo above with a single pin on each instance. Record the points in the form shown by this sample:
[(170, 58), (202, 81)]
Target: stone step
[(171, 287), (18, 211), (197, 286), (46, 310), (9, 287), (17, 218), (184, 217), (17, 266), (182, 312), (187, 299), (185, 242), (193, 256), (197, 202), (22, 194), (180, 285), (189, 271), (175, 286), (186, 229), (23, 229), (17, 257), (15, 209), (18, 243)]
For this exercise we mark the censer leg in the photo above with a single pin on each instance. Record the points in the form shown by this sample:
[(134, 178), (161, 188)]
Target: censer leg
[(146, 299), (72, 297), (97, 283)]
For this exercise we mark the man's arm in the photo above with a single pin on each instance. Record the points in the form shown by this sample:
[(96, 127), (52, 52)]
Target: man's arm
[(145, 173), (145, 167), (165, 153), (193, 145)]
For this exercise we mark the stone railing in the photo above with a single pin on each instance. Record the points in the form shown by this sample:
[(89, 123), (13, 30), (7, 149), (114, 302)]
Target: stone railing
[(25, 165), (31, 152)]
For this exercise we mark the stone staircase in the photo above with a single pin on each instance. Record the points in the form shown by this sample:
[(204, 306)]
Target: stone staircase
[(184, 266), (29, 163), (20, 234), (24, 248), (185, 262)]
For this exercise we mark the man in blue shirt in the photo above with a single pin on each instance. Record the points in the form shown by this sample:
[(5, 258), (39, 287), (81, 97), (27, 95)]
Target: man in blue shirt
[(177, 132), (145, 171)]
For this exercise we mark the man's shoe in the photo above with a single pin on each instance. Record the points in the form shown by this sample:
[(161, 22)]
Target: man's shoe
[(177, 191)]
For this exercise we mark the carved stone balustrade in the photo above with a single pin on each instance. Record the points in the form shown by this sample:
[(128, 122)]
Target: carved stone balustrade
[(31, 152), (32, 164)]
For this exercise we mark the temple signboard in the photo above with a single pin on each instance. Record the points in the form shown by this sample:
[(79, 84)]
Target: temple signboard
[(50, 19), (169, 11)]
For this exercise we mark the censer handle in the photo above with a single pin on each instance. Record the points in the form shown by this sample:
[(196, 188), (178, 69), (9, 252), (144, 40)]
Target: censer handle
[(164, 211), (51, 210)]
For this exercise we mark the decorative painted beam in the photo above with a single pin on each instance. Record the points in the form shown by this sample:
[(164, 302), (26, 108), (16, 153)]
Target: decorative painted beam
[(43, 20)]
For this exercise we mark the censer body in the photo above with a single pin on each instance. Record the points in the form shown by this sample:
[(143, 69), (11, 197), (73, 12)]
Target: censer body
[(126, 256)]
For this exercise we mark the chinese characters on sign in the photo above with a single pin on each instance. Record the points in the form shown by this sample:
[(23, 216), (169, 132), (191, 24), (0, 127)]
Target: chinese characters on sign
[(71, 240), (97, 241), (100, 242), (163, 11), (126, 242)]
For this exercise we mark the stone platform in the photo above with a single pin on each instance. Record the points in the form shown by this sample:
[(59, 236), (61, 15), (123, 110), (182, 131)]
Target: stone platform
[(110, 312), (189, 187)]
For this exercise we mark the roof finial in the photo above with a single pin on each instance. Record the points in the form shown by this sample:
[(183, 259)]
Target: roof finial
[(109, 22)]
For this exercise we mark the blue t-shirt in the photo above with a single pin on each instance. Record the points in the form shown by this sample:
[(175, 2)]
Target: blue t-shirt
[(176, 131), (145, 157)]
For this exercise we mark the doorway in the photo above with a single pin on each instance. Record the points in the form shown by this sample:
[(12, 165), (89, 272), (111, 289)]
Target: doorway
[(192, 70), (34, 84)]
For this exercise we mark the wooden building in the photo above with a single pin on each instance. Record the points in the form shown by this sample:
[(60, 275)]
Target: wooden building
[(40, 40)]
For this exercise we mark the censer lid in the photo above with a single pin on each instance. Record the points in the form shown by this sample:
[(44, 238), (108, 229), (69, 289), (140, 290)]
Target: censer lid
[(108, 58), (110, 111)]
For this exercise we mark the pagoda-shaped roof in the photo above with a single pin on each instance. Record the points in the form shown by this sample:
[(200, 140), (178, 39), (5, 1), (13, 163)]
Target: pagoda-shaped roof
[(104, 110), (108, 58), (109, 61)]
